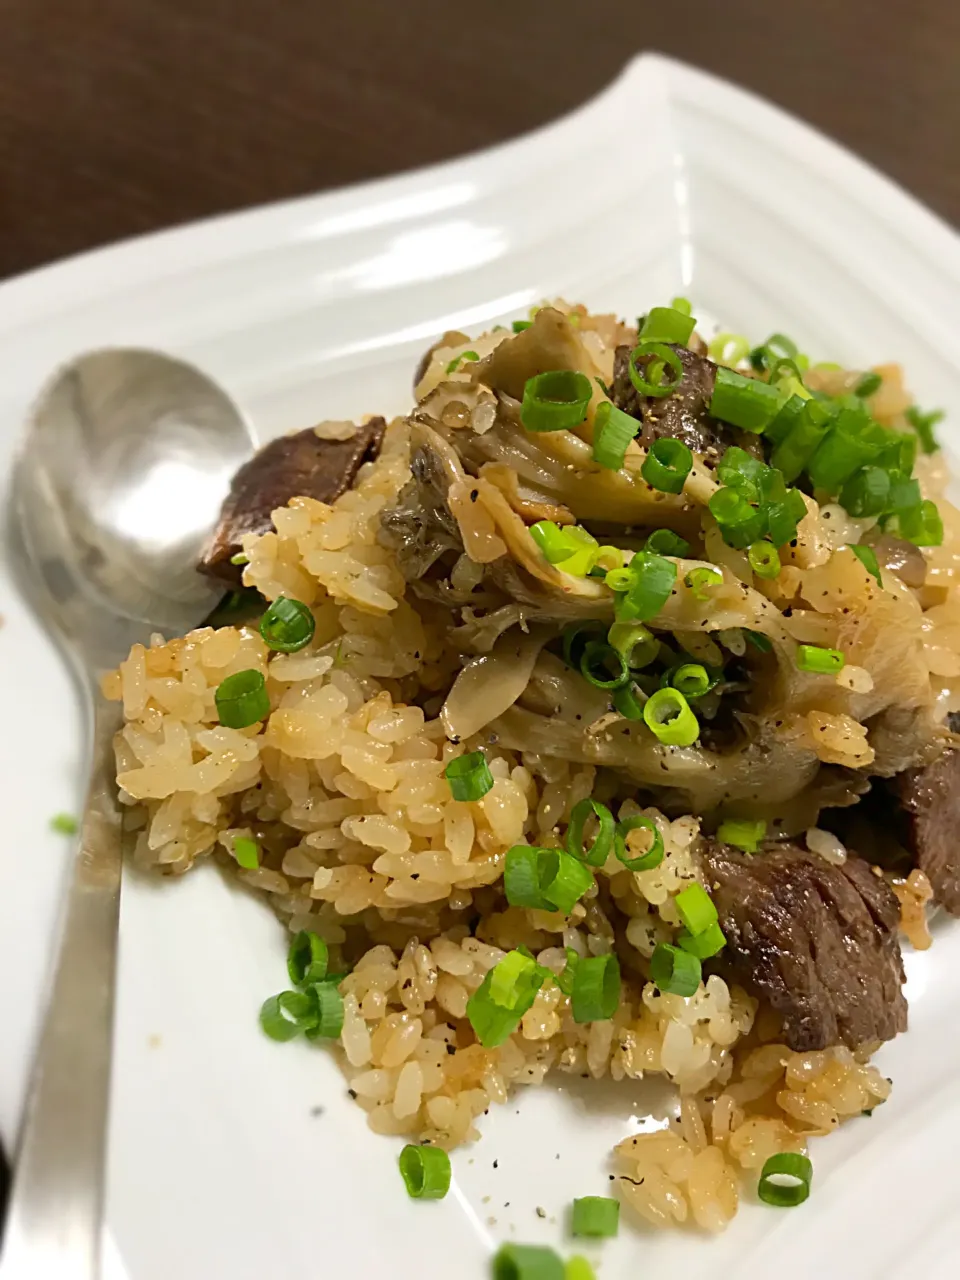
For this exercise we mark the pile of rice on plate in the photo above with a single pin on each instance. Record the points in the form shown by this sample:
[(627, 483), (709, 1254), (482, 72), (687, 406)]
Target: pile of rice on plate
[(440, 622)]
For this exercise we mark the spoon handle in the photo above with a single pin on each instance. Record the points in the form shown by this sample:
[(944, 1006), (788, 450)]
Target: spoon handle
[(56, 1207)]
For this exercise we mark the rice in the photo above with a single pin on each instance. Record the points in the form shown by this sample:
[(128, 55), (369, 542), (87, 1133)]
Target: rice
[(361, 842)]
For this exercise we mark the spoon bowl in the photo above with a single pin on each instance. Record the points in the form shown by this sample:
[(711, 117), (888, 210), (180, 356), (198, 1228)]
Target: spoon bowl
[(125, 462)]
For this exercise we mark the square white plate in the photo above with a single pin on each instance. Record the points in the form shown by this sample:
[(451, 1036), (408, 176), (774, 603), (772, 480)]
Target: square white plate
[(670, 182)]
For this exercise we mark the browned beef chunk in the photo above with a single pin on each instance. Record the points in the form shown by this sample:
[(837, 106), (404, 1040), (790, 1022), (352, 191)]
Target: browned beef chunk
[(818, 942), (682, 414), (929, 827), (296, 466)]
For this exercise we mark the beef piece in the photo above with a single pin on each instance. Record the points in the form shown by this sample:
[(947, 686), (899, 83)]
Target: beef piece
[(929, 822), (818, 942), (296, 466), (682, 414)]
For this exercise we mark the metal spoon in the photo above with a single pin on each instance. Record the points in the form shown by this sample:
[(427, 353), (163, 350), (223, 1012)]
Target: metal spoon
[(127, 457)]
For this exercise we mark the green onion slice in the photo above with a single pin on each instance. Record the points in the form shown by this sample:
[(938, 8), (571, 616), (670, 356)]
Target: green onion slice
[(923, 424), (758, 640), (695, 908), (603, 666), (701, 580), (742, 833), (288, 1014), (242, 700), (564, 879), (635, 643), (744, 402), (811, 657), (555, 401), (665, 358), (576, 637), (922, 525), (667, 465), (518, 326), (644, 861), (627, 704), (692, 679), (521, 878), (65, 824), (596, 989), (596, 854), (868, 558), (674, 971), (527, 1262), (785, 1179), (667, 714), (572, 548), (664, 542), (682, 304), (506, 993), (458, 360), (739, 522), (868, 385), (247, 853), (578, 1268), (729, 348), (612, 432), (866, 493), (703, 945), (329, 1003), (425, 1172), (652, 581), (564, 979), (307, 959), (597, 1216), (764, 560), (469, 776), (666, 324)]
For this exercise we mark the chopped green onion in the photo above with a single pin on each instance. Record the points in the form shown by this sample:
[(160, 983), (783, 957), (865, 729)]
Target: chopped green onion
[(742, 833), (664, 542), (619, 579), (682, 304), (578, 1268), (307, 959), (923, 424), (853, 443), (329, 1012), (667, 465), (922, 525), (630, 637), (626, 703), (247, 853), (564, 979), (425, 1171), (901, 454), (572, 548), (664, 324), (811, 657), (526, 1262), (469, 776), (866, 493), (692, 679), (674, 971), (667, 714), (240, 558), (758, 640), (287, 625), (904, 494), (644, 861), (518, 326), (738, 521), (695, 908), (64, 824), (506, 993), (599, 657), (703, 945), (284, 1016), (868, 385), (784, 517), (665, 358), (744, 402), (700, 581), (242, 699), (596, 989), (786, 419), (729, 348), (798, 446), (555, 401), (652, 580), (521, 878), (595, 1216), (777, 347), (597, 852), (564, 879), (868, 558), (741, 471), (458, 360), (612, 432), (785, 1179), (549, 537), (764, 560), (575, 638)]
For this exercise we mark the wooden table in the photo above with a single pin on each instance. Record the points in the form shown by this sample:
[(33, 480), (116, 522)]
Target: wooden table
[(120, 116)]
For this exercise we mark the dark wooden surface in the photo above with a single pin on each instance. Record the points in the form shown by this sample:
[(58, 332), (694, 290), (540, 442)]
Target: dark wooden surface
[(120, 116)]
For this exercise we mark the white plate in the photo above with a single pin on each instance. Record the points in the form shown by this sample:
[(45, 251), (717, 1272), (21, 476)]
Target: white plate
[(669, 182)]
